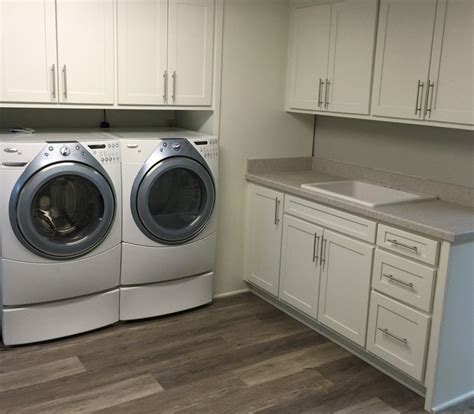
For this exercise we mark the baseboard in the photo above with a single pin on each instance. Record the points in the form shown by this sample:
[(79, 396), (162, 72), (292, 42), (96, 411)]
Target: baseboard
[(226, 294), (453, 402)]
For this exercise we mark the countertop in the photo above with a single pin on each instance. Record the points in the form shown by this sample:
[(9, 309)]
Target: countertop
[(436, 218)]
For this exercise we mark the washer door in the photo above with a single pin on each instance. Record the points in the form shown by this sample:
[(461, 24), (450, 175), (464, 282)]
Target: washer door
[(174, 200), (63, 211)]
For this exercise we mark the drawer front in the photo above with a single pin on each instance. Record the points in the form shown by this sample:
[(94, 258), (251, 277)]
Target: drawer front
[(403, 279), (398, 334), (408, 244), (331, 218)]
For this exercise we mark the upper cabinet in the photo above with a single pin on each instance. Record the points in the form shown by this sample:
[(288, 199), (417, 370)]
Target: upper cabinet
[(331, 55), (28, 64)]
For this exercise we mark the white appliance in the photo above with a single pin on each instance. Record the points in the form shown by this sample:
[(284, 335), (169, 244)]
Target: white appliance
[(60, 240), (169, 187)]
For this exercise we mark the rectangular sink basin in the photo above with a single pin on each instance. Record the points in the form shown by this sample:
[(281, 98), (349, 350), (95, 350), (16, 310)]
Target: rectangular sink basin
[(370, 195)]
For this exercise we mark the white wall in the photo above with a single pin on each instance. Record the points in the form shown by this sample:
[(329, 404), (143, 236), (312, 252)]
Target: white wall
[(441, 154), (253, 123)]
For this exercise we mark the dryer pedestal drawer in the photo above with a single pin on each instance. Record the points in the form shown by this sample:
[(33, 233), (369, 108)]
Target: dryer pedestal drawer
[(398, 334)]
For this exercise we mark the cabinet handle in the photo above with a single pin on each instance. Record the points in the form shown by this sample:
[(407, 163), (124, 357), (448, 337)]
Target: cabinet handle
[(394, 279), (173, 96), (320, 102), (429, 98), (387, 332), (421, 85), (277, 205), (398, 244), (165, 89), (322, 260), (326, 94), (316, 248), (65, 81), (53, 75)]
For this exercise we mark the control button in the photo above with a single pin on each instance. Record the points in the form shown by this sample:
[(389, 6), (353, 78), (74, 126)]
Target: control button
[(78, 147), (51, 148), (161, 149), (83, 153), (176, 146), (46, 154), (165, 144), (101, 160), (65, 151)]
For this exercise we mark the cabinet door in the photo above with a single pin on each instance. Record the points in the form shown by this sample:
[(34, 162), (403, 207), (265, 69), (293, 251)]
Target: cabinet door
[(350, 72), (308, 56), (86, 51), (142, 28), (264, 238), (28, 51), (190, 49), (345, 285), (452, 69), (299, 269), (402, 58)]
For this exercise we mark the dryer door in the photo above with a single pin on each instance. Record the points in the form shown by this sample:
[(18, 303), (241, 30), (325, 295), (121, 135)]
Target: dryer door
[(63, 211), (174, 201)]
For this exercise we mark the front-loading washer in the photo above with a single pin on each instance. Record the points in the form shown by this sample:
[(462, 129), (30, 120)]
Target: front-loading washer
[(170, 184), (60, 241)]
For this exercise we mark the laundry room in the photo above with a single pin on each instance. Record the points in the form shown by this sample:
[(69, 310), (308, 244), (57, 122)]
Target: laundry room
[(236, 206)]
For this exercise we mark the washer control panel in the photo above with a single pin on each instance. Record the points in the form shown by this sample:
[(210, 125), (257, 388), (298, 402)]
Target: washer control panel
[(104, 152)]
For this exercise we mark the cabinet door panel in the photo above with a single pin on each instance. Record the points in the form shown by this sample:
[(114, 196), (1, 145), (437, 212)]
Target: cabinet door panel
[(299, 270), (452, 63), (351, 55), (308, 57), (402, 57), (191, 38), (86, 51), (345, 286), (28, 51), (142, 27), (264, 238)]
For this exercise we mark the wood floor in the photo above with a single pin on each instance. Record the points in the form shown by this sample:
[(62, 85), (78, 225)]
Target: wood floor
[(238, 355)]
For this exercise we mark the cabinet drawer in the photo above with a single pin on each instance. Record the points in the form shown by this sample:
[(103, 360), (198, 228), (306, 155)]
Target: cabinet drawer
[(398, 334), (331, 218), (403, 279), (408, 244)]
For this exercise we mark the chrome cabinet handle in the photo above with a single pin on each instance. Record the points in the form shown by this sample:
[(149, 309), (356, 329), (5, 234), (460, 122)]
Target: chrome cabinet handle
[(173, 96), (394, 279), (398, 244), (326, 94), (429, 98), (165, 88), (11, 150), (320, 102), (65, 81), (277, 205), (387, 332), (421, 85), (322, 260), (316, 248), (53, 75)]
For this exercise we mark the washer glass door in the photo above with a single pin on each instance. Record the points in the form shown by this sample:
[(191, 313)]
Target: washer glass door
[(175, 200)]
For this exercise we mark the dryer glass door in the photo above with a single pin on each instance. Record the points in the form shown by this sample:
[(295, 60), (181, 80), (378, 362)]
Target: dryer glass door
[(175, 200)]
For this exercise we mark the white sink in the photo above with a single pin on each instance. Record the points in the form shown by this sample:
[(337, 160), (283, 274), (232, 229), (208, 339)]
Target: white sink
[(370, 195)]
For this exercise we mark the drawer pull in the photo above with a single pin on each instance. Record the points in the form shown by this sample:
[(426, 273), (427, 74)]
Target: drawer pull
[(391, 335), (397, 243), (394, 279)]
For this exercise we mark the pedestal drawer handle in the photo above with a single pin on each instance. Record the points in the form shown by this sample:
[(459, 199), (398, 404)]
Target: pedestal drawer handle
[(394, 279), (399, 244), (391, 335)]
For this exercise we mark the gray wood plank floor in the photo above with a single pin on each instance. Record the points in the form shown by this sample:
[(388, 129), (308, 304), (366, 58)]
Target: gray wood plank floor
[(238, 355)]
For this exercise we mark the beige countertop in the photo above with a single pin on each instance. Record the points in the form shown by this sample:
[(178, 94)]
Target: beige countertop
[(435, 218)]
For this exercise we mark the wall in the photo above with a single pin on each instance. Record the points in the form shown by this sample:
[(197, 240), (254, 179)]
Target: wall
[(441, 154), (252, 121)]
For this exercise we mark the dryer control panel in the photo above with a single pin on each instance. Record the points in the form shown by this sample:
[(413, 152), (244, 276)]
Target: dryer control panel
[(107, 152), (208, 148)]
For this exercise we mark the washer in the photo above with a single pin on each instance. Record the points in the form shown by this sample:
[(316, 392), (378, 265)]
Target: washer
[(169, 221), (60, 240)]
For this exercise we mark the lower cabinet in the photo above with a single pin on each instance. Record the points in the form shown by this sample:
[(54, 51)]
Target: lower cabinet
[(264, 238), (345, 285), (300, 265)]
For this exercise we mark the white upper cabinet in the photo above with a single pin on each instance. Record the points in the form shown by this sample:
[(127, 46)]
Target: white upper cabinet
[(451, 78), (28, 51), (403, 57), (86, 51), (190, 52), (351, 56), (142, 51), (308, 55)]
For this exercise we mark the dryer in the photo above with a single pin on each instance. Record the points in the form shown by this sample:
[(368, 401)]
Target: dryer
[(170, 186), (60, 242)]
